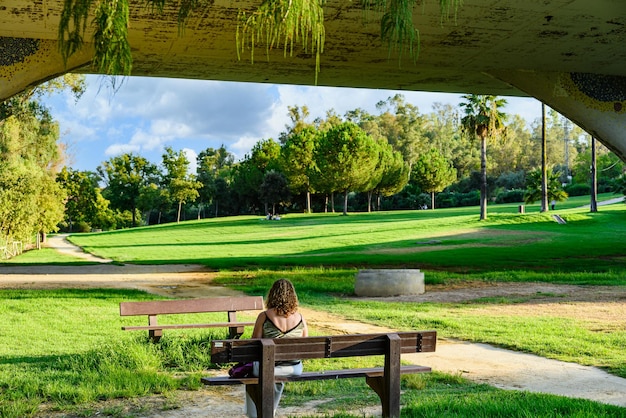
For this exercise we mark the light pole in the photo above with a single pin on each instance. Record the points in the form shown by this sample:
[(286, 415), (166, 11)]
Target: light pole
[(594, 181)]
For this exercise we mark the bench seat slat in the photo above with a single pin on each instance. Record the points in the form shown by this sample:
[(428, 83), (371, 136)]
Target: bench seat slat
[(175, 326), (321, 375)]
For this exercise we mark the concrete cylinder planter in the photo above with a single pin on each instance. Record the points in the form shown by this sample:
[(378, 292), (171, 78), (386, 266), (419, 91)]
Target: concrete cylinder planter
[(389, 282)]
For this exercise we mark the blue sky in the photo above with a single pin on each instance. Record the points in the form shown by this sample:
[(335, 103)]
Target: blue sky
[(147, 114)]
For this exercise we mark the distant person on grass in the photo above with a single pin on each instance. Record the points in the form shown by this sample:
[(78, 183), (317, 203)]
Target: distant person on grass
[(280, 320)]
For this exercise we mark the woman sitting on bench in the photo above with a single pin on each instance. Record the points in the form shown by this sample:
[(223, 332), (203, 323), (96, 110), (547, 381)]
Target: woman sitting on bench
[(280, 320)]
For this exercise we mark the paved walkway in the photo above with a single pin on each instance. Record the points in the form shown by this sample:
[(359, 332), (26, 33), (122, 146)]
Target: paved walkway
[(62, 245), (607, 202)]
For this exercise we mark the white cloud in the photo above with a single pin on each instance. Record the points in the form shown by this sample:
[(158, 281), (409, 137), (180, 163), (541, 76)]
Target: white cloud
[(243, 146), (147, 141), (119, 149), (170, 128), (192, 157)]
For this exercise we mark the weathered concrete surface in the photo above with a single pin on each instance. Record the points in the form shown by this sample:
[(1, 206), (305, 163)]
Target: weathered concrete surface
[(389, 282), (568, 53)]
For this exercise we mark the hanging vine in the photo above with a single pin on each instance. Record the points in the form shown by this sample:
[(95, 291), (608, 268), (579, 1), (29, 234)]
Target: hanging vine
[(275, 23), (396, 24), (112, 50), (286, 22)]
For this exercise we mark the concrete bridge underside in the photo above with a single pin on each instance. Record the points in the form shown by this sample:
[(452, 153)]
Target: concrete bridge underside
[(570, 54)]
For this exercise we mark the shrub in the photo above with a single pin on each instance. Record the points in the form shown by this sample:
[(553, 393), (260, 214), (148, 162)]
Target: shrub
[(82, 226), (578, 189), (470, 199), (512, 180), (447, 200), (510, 196)]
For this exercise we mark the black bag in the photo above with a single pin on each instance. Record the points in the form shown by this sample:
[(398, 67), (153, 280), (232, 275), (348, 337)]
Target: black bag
[(241, 370)]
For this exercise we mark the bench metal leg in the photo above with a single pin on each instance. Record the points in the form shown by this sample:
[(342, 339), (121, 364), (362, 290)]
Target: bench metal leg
[(387, 387), (154, 334), (235, 332)]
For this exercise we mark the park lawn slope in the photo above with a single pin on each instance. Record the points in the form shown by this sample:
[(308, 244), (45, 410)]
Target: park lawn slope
[(451, 240)]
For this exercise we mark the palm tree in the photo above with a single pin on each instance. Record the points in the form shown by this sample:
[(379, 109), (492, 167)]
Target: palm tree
[(534, 186), (484, 120)]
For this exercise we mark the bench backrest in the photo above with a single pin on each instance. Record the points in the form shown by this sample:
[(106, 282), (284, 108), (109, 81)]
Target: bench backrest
[(180, 306), (227, 351)]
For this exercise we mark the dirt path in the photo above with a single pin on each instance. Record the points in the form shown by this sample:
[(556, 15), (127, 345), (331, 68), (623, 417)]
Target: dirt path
[(479, 362)]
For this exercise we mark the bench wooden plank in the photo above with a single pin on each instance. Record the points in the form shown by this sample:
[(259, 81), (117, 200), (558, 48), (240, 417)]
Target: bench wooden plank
[(225, 351), (228, 305), (321, 375), (180, 306)]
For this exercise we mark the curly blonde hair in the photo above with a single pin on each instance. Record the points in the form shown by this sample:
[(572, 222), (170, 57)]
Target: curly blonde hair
[(282, 298)]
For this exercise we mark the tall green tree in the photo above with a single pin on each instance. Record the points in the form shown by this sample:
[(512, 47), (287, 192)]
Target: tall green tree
[(483, 120), (84, 202), (124, 176), (31, 202), (345, 158), (515, 151), (402, 125), (214, 171), (298, 116), (443, 131), (395, 174), (249, 173), (274, 189), (152, 198), (181, 185), (433, 173), (296, 161)]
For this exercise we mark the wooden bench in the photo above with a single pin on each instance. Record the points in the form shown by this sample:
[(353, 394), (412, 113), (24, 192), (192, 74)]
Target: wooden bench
[(231, 305), (385, 380)]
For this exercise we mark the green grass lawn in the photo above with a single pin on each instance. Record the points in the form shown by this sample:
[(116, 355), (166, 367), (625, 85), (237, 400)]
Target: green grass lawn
[(450, 240), (64, 350)]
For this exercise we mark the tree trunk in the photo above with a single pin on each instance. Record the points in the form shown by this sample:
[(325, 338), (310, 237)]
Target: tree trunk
[(216, 205), (180, 205), (308, 201), (369, 201), (345, 202), (432, 200), (326, 203), (332, 202), (544, 162), (483, 178)]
